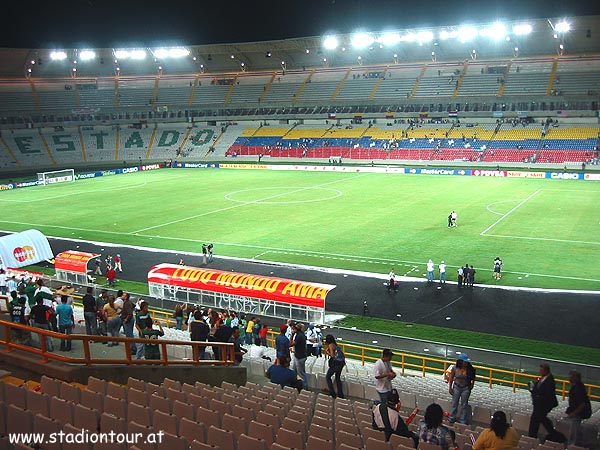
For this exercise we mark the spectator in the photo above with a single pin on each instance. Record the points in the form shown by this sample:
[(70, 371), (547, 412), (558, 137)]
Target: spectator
[(384, 374), (111, 275), (178, 314), (431, 430), (222, 334), (264, 330), (282, 375), (299, 343), (100, 302), (118, 263), (282, 344), (19, 312), (387, 419), (256, 329), (127, 318), (89, 312), (579, 406), (460, 385), (499, 436), (141, 316), (3, 288), (249, 328), (112, 318), (337, 361), (199, 331), (39, 314), (66, 322), (258, 351), (238, 350), (312, 338), (543, 396), (152, 351)]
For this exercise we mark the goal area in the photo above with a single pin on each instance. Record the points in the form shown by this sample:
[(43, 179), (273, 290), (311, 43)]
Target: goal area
[(56, 176)]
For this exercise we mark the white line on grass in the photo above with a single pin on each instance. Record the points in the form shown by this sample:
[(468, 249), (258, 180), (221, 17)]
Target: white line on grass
[(567, 241), (116, 188), (509, 213), (141, 230), (489, 207)]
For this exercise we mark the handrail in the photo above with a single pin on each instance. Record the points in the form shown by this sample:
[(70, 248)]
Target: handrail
[(227, 356), (440, 366)]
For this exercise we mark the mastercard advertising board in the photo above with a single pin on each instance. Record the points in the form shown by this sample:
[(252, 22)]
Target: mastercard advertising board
[(24, 248)]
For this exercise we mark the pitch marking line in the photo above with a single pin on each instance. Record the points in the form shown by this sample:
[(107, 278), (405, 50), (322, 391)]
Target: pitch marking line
[(566, 241), (489, 207), (264, 199), (116, 188), (510, 212)]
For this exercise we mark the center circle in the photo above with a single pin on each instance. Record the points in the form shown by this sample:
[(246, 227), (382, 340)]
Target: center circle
[(277, 195)]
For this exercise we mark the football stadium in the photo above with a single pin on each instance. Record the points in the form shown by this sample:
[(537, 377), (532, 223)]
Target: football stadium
[(185, 226)]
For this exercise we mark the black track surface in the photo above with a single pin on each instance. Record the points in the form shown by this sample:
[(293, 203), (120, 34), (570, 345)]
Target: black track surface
[(568, 318)]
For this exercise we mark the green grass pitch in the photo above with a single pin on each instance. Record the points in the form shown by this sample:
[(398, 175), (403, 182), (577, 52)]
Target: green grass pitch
[(546, 231)]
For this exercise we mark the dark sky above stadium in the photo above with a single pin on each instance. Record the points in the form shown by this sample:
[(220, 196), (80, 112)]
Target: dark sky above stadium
[(110, 23)]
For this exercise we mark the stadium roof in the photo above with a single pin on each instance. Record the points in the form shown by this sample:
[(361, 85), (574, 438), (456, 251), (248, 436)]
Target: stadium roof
[(437, 40)]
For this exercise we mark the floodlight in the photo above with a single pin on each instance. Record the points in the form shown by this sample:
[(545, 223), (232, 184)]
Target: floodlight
[(86, 55), (121, 54), (32, 61), (389, 38), (330, 42), (178, 52), (445, 34), (562, 27), (466, 33), (522, 29), (137, 54), (496, 31), (74, 69), (58, 55), (29, 70), (410, 37), (425, 36), (362, 40), (268, 54), (161, 53), (232, 57)]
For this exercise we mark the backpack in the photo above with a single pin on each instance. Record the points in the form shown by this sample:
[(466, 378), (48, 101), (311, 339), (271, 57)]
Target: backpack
[(338, 356)]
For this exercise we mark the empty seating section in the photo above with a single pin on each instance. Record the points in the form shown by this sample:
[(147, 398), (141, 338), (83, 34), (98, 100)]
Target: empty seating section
[(134, 142), (100, 142), (528, 78), (207, 93), (357, 86), (27, 146), (54, 96), (475, 83), (103, 96), (399, 83), (135, 91), (249, 88), (254, 416), (576, 77), (17, 96), (174, 90), (284, 87), (439, 82)]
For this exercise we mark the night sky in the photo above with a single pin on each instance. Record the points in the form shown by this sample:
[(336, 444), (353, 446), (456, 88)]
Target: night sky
[(110, 23)]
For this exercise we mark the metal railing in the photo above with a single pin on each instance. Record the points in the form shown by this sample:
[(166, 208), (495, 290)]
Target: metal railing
[(9, 344)]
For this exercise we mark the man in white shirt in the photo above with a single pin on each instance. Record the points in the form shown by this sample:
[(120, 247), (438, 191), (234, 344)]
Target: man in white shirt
[(442, 272), (384, 374), (392, 282), (430, 269)]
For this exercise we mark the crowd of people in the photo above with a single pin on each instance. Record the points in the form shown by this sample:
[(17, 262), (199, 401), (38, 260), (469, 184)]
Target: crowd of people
[(33, 303)]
